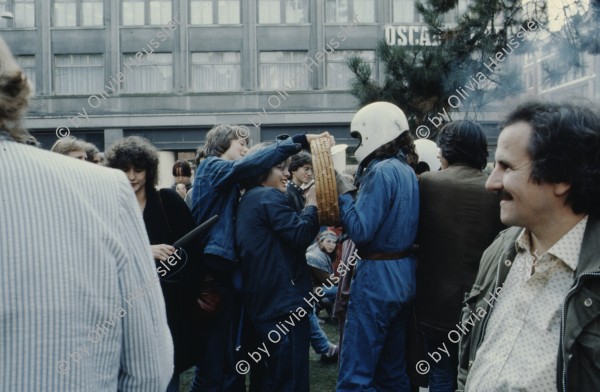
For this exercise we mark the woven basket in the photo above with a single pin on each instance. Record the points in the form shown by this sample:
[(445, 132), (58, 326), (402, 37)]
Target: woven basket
[(325, 184)]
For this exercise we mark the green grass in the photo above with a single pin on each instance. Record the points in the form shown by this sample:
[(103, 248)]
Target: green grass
[(323, 376)]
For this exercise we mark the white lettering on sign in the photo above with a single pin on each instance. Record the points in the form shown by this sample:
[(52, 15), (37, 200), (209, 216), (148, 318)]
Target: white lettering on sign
[(408, 35)]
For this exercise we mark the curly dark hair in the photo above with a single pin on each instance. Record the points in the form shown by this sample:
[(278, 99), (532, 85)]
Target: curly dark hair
[(182, 168), (564, 147), (137, 152), (299, 160), (463, 142), (405, 143)]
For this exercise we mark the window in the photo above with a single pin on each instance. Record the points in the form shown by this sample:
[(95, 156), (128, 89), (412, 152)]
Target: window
[(214, 12), (345, 11), (78, 73), (152, 74), (22, 10), (284, 70), (78, 13), (146, 12), (404, 11), (27, 63), (338, 73), (216, 71), (282, 11)]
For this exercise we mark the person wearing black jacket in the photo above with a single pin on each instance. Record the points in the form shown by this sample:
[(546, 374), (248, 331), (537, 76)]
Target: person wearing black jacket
[(167, 218), (301, 172)]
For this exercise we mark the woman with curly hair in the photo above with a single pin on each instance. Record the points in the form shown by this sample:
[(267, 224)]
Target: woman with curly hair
[(167, 218)]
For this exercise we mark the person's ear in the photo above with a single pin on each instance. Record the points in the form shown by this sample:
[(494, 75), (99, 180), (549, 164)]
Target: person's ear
[(561, 189)]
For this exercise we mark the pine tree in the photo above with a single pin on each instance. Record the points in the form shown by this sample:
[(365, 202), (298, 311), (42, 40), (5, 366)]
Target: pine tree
[(420, 79), (578, 35)]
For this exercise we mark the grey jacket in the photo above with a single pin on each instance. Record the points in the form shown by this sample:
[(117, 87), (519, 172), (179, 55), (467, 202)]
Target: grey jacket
[(579, 350)]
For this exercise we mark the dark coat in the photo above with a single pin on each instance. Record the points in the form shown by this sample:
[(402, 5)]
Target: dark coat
[(271, 239), (458, 220), (295, 196), (165, 225)]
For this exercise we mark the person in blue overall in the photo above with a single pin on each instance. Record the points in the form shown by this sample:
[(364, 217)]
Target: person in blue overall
[(216, 191), (382, 220)]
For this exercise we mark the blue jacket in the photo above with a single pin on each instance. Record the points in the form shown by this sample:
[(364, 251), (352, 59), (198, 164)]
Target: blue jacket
[(384, 217), (216, 190), (272, 239)]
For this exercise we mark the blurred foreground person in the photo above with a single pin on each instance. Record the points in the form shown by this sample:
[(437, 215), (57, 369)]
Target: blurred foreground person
[(533, 315), (72, 147), (80, 304), (458, 220), (382, 222)]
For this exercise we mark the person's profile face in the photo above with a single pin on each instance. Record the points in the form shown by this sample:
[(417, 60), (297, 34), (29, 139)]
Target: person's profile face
[(278, 178), (523, 202), (237, 149)]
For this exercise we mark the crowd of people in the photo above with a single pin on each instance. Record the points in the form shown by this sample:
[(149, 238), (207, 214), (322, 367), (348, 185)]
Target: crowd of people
[(454, 279)]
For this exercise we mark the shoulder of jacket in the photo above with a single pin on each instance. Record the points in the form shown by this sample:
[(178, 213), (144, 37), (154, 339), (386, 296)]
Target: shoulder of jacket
[(502, 244)]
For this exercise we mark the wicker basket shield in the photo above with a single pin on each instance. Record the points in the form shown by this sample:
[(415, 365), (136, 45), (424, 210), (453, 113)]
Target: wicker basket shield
[(325, 184)]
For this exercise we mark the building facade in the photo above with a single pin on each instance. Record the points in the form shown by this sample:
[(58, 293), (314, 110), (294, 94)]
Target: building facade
[(169, 70)]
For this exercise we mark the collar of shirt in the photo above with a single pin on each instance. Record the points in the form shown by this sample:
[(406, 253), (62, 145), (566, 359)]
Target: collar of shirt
[(566, 249), (292, 183)]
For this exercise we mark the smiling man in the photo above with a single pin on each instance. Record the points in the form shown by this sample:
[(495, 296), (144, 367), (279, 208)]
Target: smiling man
[(541, 333)]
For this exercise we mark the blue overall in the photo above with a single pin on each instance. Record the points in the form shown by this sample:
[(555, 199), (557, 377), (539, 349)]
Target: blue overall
[(382, 219)]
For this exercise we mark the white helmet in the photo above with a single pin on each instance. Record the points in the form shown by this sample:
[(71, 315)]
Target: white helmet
[(376, 124)]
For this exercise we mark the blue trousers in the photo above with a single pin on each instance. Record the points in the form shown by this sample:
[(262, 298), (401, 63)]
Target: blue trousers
[(444, 372), (285, 369), (318, 339), (373, 350)]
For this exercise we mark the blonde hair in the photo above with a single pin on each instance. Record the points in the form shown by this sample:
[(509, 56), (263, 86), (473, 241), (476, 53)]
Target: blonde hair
[(15, 92)]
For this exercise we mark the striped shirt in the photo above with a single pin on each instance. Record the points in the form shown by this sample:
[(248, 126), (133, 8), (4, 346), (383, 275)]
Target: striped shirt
[(81, 308)]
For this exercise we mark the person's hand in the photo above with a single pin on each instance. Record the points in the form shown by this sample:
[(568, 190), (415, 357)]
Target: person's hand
[(311, 196), (343, 185), (209, 302), (181, 190), (162, 251), (311, 137)]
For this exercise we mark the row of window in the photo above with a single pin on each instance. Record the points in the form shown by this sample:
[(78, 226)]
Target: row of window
[(68, 13), (209, 72)]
